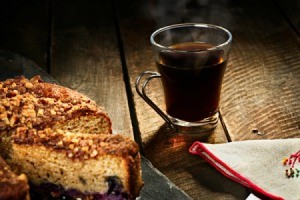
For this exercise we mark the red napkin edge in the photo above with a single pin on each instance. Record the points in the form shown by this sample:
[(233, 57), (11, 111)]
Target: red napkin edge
[(199, 148)]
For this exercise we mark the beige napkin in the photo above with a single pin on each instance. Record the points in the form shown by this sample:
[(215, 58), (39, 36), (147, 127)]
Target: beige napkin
[(269, 167)]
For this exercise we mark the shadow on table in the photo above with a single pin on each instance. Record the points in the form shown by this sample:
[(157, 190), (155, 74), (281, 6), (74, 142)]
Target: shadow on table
[(168, 152)]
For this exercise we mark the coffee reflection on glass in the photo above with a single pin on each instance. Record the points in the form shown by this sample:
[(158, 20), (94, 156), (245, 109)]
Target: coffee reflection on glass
[(191, 60)]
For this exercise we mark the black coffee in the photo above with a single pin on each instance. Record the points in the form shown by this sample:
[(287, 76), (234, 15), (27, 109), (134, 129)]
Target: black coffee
[(192, 81)]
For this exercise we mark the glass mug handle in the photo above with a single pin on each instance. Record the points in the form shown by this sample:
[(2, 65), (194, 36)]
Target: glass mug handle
[(150, 75)]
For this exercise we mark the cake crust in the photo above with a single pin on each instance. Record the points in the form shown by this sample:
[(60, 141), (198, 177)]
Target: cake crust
[(77, 145)]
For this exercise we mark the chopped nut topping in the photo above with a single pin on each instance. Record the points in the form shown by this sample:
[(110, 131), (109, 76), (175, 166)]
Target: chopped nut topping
[(28, 108), (94, 153), (28, 85), (70, 155), (81, 146), (75, 140), (52, 112), (85, 149), (38, 104), (40, 112)]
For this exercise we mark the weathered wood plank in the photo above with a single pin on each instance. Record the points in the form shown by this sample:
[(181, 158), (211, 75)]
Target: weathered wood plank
[(260, 90), (24, 28), (262, 83), (85, 56), (168, 152)]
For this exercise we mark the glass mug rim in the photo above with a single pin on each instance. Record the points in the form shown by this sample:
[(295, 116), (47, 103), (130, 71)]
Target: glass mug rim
[(195, 25)]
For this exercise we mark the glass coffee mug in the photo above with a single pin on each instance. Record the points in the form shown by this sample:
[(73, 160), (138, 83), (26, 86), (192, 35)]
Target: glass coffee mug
[(191, 61)]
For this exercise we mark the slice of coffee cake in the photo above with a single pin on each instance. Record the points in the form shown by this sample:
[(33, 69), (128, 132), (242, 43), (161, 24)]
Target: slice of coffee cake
[(81, 165), (36, 104)]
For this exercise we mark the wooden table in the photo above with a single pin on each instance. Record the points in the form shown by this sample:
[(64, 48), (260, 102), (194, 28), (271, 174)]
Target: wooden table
[(100, 47)]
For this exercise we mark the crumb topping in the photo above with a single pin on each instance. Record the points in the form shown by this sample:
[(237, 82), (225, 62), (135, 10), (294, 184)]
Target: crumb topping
[(30, 108), (77, 145), (38, 105)]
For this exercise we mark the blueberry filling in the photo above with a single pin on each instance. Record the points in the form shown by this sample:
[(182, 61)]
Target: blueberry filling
[(50, 191), (114, 185)]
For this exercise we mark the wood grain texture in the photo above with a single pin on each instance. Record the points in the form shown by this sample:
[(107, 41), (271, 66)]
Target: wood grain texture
[(262, 82), (167, 152), (85, 56), (24, 29), (260, 89)]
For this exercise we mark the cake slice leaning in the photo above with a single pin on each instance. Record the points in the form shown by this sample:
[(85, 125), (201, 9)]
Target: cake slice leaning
[(38, 105), (77, 166)]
